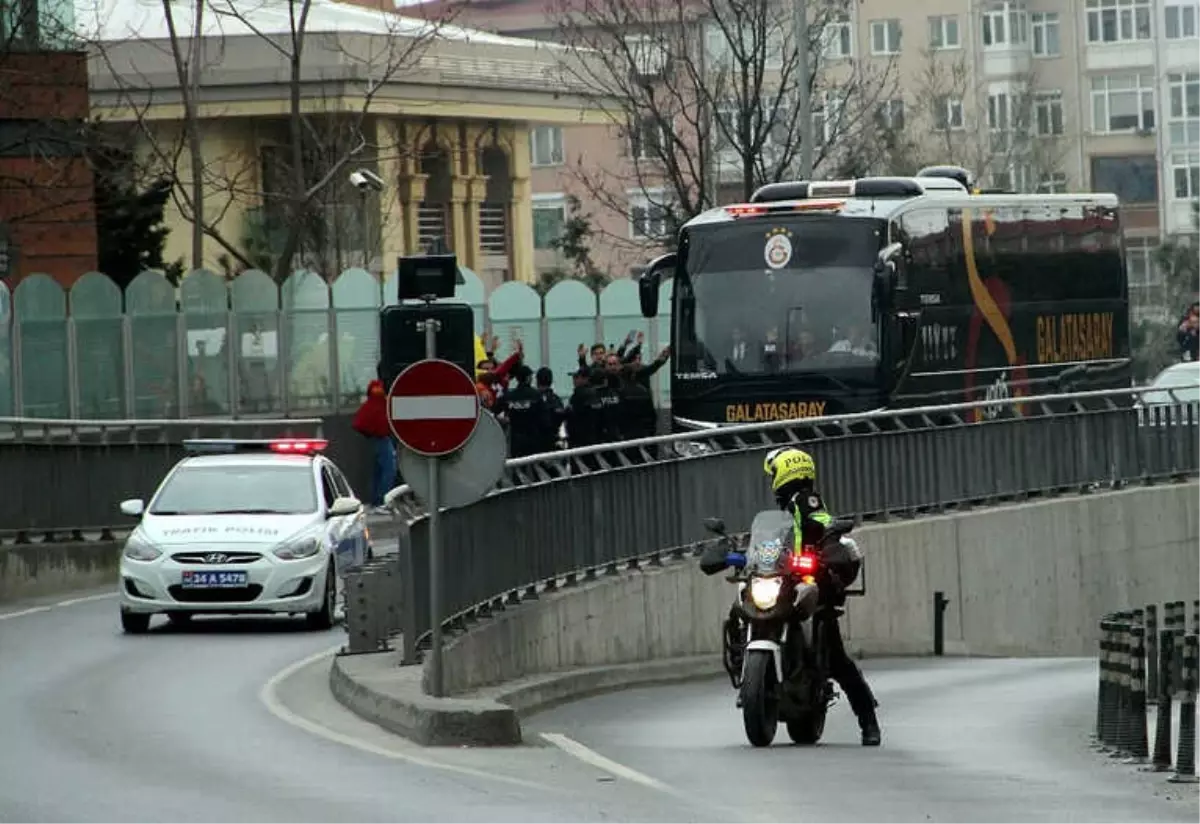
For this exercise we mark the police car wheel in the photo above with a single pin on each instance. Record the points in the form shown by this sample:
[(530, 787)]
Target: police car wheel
[(135, 623), (323, 618)]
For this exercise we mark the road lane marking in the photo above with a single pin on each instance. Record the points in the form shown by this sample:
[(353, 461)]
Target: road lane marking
[(269, 696), (600, 762), (4, 616)]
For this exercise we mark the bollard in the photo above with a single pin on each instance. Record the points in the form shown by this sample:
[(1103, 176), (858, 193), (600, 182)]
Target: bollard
[(1195, 617), (1120, 670), (1101, 684), (940, 602), (1176, 622), (1112, 693), (1136, 742), (1185, 758), (1152, 654), (1161, 762)]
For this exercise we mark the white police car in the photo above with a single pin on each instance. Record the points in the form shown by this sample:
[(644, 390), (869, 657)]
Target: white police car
[(241, 526)]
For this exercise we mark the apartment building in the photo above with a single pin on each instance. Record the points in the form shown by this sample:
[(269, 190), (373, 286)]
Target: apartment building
[(1033, 95)]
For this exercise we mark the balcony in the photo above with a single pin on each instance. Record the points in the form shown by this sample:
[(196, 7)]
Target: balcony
[(1009, 60)]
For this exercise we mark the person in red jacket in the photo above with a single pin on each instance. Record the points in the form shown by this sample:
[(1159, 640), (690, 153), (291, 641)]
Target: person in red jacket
[(371, 421)]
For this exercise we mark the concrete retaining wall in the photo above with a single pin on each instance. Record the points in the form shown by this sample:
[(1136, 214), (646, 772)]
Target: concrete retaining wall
[(1030, 579), (36, 570)]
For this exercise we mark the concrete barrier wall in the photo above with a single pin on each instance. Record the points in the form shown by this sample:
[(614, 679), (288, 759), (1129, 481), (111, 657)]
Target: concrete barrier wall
[(1030, 579), (36, 570)]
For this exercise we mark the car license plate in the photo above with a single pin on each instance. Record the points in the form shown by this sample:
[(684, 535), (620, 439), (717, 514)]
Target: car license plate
[(203, 579)]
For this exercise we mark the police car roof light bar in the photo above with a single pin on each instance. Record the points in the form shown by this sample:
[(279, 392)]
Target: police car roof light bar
[(227, 446), (299, 446)]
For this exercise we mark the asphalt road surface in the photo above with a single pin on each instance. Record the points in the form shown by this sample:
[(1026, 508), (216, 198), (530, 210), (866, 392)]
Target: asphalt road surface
[(231, 720)]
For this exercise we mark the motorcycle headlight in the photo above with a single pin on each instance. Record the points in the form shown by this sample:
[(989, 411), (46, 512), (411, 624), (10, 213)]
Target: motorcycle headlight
[(299, 549), (764, 592), (137, 549)]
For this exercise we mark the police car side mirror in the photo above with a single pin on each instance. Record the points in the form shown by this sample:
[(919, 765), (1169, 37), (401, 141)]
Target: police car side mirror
[(134, 507), (715, 526), (344, 506)]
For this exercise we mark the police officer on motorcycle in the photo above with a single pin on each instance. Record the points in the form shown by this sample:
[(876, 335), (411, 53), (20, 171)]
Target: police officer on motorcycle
[(793, 475)]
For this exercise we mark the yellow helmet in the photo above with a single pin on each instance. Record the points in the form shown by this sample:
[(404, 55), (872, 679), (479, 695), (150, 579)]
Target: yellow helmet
[(787, 464)]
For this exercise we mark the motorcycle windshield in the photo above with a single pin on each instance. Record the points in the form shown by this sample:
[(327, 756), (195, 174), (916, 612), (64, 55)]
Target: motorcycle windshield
[(765, 551)]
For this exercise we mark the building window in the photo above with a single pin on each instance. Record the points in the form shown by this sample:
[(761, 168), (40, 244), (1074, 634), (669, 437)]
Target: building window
[(1118, 21), (1185, 175), (1014, 178), (647, 138), (1001, 120), (1183, 113), (948, 114), (943, 32), (549, 216), (885, 36), (1004, 25), (1181, 20), (647, 215), (1139, 261), (1043, 26), (889, 114), (647, 54), (1048, 113), (1054, 183), (1122, 103), (827, 116), (1132, 178), (839, 38), (546, 146)]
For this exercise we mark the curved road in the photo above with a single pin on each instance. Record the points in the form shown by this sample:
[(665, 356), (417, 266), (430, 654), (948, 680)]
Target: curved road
[(226, 721)]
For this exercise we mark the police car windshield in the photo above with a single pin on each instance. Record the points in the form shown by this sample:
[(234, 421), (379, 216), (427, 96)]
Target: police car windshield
[(238, 490), (787, 294)]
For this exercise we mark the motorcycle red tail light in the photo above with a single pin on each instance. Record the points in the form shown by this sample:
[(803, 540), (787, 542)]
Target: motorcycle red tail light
[(803, 563)]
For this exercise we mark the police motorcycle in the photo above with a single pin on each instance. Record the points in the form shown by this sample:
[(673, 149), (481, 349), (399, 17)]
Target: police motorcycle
[(781, 665)]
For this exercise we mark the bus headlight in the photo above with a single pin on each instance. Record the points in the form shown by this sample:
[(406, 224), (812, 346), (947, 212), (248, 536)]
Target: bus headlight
[(764, 592)]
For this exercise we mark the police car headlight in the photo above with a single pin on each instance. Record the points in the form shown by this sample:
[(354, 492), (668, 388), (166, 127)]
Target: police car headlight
[(297, 550), (136, 549), (764, 592)]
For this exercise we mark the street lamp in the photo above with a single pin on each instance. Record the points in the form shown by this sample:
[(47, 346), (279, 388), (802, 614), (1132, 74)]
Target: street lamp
[(366, 182)]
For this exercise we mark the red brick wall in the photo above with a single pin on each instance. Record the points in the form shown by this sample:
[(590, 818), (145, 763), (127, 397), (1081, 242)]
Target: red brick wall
[(47, 203)]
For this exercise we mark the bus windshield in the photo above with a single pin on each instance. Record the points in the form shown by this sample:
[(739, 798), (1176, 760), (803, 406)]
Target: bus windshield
[(785, 294)]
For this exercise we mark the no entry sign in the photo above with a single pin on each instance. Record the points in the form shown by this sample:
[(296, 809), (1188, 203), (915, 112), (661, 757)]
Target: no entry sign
[(433, 408)]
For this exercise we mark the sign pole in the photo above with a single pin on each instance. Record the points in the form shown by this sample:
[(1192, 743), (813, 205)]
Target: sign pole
[(436, 682)]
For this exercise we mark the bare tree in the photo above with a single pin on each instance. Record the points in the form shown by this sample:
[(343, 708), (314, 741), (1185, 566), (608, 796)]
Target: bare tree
[(704, 94), (1010, 140), (309, 162)]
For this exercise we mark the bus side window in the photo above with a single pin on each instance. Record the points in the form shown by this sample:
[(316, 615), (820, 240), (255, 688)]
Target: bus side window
[(924, 234)]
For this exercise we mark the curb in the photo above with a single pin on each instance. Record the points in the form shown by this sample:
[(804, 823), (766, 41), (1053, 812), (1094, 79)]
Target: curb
[(375, 689)]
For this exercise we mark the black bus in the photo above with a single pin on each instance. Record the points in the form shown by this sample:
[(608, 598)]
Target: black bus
[(819, 299)]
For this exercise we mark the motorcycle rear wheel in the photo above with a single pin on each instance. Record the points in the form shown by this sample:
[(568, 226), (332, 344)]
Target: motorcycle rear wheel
[(760, 699), (808, 728)]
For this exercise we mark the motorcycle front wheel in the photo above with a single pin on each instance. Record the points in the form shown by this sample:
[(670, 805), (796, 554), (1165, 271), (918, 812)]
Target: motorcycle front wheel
[(760, 698)]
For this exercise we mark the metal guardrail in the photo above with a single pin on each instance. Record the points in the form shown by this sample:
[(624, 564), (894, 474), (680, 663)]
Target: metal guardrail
[(1141, 665), (62, 479), (562, 516)]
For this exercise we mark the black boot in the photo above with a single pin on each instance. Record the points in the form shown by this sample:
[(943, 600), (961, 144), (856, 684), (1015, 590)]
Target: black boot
[(871, 736)]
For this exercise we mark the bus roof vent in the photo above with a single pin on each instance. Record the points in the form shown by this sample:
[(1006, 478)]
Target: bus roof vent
[(832, 188), (880, 187), (790, 190), (956, 173), (888, 187)]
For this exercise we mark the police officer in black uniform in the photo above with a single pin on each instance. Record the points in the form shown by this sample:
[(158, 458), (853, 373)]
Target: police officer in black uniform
[(527, 415)]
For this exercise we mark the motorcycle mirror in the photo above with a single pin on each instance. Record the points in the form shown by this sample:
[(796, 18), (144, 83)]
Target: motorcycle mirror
[(715, 525)]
